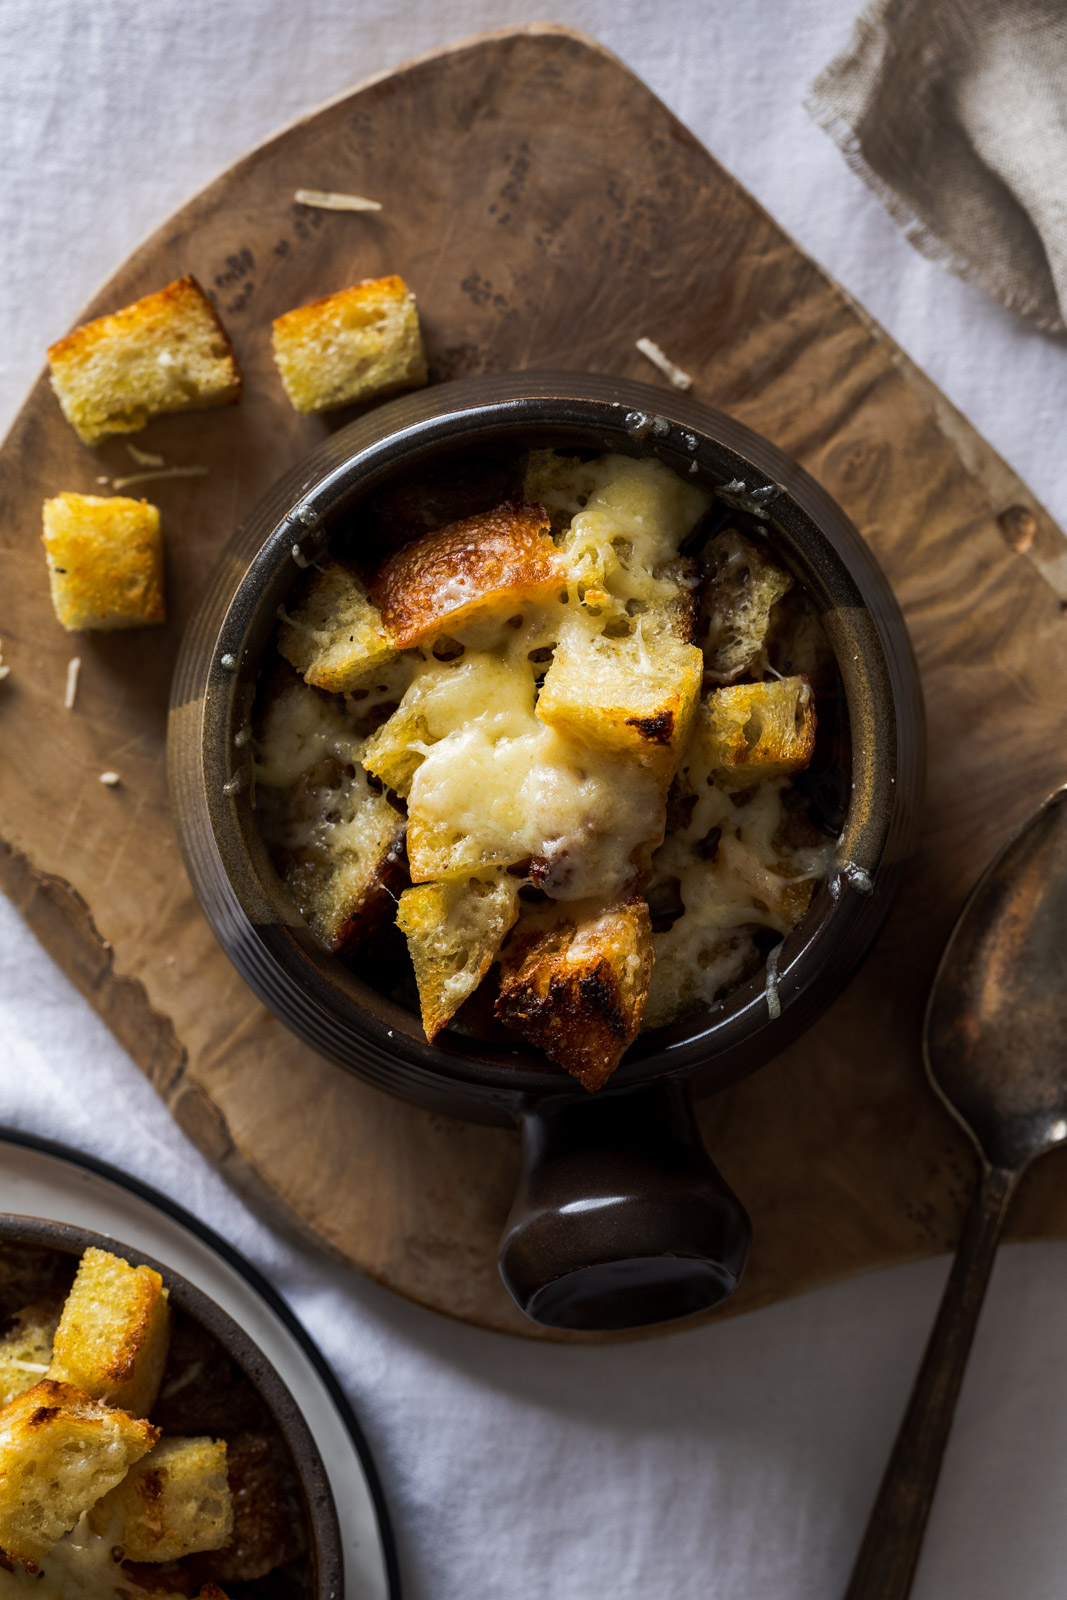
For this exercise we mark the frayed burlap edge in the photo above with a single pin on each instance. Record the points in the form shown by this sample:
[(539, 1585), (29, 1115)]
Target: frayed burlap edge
[(914, 229)]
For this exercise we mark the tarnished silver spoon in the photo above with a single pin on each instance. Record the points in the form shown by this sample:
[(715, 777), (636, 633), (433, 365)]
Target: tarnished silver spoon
[(995, 1046)]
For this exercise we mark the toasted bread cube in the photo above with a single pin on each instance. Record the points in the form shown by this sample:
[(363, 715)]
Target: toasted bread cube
[(635, 694), (334, 636), (167, 352), (388, 754), (105, 561), (359, 342), (491, 564), (676, 607), (26, 1348), (60, 1452), (577, 990), (454, 931), (175, 1501), (439, 850), (335, 839), (267, 1523), (341, 879), (758, 730), (114, 1333), (742, 586)]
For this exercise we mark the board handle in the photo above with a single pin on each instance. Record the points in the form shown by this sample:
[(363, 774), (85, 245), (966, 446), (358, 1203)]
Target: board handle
[(620, 1218)]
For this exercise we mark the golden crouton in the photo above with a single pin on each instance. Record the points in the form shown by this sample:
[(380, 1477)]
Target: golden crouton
[(388, 753), (60, 1451), (26, 1348), (167, 352), (105, 561), (333, 635), (742, 587), (335, 840), (676, 607), (357, 343), (757, 730), (488, 564), (454, 931), (340, 879), (437, 849), (578, 990), (113, 1335), (627, 694), (174, 1502), (267, 1524)]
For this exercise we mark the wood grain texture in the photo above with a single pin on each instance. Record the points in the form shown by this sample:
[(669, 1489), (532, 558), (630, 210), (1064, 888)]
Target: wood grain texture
[(548, 211)]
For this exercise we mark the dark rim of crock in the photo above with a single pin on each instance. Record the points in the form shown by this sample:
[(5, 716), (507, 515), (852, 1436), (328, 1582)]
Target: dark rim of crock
[(324, 1554)]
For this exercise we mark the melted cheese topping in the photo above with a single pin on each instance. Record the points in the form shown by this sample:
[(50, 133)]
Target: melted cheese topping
[(80, 1567), (502, 800), (729, 888), (489, 785)]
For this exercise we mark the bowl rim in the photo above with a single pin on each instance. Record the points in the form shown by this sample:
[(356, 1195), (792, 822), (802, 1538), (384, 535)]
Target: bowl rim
[(325, 1556), (319, 997)]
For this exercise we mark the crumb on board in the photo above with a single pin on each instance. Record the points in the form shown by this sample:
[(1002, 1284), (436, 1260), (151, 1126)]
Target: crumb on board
[(652, 352), (109, 778), (4, 671), (74, 666), (1018, 527), (157, 473), (144, 458), (330, 200)]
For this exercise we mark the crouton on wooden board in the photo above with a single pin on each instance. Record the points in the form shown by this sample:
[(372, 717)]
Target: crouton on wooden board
[(360, 342), (167, 352), (105, 562)]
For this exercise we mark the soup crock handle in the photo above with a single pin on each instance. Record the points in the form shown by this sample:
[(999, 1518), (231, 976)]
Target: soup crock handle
[(620, 1218)]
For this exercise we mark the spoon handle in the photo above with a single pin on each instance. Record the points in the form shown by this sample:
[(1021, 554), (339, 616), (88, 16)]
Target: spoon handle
[(889, 1554)]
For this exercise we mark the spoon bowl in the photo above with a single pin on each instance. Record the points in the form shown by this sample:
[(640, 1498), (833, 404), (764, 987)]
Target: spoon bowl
[(994, 1034)]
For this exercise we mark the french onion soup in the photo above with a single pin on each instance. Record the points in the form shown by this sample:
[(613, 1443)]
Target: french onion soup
[(571, 757)]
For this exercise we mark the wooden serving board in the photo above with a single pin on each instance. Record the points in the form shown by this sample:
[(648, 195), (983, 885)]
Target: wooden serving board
[(548, 211)]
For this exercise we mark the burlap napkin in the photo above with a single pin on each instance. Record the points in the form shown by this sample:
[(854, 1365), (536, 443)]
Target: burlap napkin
[(955, 113)]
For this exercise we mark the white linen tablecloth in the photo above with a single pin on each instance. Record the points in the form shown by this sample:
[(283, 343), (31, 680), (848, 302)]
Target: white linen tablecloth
[(734, 1462)]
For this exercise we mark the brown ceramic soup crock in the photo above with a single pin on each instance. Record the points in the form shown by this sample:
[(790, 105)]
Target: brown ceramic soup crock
[(318, 1574), (620, 1218)]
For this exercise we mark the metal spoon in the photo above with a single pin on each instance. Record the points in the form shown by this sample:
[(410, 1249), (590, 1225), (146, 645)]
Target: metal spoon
[(994, 1047)]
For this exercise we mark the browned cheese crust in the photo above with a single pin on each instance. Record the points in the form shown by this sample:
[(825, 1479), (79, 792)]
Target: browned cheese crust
[(577, 990), (486, 563)]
